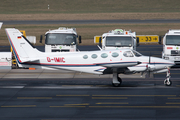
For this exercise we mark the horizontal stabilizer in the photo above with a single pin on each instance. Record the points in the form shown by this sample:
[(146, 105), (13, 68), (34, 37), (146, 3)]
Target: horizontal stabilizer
[(23, 60)]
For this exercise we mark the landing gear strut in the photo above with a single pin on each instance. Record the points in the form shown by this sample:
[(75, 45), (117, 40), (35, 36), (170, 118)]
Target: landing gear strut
[(167, 81), (116, 82)]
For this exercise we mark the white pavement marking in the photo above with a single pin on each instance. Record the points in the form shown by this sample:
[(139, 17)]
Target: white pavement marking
[(12, 86)]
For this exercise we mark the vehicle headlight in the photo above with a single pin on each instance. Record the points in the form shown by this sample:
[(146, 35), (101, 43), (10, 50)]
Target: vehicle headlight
[(177, 58)]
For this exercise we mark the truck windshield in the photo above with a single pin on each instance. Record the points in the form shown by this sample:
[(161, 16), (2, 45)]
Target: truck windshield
[(173, 40), (60, 39), (119, 41)]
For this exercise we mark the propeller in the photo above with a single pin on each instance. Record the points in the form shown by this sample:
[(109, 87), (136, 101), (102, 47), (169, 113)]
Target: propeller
[(149, 67)]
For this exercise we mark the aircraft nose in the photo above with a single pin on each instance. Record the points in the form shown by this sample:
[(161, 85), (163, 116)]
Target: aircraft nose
[(162, 63), (171, 63), (168, 63)]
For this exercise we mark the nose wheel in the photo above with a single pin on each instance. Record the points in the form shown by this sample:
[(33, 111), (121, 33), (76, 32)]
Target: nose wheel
[(167, 81)]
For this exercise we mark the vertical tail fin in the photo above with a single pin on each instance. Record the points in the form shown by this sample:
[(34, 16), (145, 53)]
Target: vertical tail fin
[(22, 48)]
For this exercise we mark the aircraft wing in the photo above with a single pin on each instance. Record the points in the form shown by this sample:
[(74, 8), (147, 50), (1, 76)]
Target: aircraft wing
[(119, 64)]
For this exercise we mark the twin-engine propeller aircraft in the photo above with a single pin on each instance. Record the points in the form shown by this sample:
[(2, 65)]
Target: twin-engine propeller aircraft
[(124, 61)]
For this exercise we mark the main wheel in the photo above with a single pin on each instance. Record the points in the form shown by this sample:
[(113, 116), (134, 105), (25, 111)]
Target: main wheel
[(117, 84), (120, 80)]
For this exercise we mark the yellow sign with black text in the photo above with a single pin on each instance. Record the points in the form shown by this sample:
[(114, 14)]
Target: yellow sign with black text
[(148, 38), (96, 39)]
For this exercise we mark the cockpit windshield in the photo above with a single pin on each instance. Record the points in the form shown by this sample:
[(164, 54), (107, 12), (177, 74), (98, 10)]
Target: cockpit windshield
[(60, 39), (128, 54), (173, 40), (136, 53), (131, 54), (119, 41)]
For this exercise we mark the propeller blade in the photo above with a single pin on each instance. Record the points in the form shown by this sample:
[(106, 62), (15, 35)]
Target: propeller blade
[(148, 72), (150, 58)]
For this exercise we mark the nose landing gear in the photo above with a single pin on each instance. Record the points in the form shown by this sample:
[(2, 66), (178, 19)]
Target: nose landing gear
[(167, 81)]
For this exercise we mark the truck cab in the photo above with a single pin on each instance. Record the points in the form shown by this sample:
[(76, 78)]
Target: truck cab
[(62, 40), (118, 39), (171, 46)]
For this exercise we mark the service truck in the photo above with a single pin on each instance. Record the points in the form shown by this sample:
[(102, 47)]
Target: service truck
[(117, 39), (171, 46), (61, 40)]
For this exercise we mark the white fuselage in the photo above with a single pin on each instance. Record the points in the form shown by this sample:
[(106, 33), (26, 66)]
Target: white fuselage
[(87, 62)]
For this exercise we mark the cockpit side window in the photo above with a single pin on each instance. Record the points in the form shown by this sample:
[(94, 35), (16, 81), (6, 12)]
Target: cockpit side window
[(128, 54)]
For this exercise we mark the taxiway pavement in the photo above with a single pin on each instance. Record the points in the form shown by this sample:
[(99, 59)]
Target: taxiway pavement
[(88, 99)]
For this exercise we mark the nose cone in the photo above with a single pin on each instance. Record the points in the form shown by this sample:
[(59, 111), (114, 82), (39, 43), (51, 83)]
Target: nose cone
[(168, 63), (171, 63), (163, 63)]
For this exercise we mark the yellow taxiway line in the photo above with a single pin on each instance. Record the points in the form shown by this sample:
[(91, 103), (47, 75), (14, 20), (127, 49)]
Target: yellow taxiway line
[(137, 95), (76, 104), (106, 103), (109, 97), (173, 103), (134, 106), (66, 106), (34, 97), (174, 98), (72, 95)]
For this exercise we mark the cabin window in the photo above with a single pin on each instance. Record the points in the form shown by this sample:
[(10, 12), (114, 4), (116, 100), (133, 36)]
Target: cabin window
[(104, 55), (85, 56), (115, 54), (128, 54), (94, 56)]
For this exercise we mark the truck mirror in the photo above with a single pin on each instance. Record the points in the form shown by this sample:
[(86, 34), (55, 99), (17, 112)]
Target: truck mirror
[(41, 37), (159, 39), (79, 39), (100, 39), (137, 41)]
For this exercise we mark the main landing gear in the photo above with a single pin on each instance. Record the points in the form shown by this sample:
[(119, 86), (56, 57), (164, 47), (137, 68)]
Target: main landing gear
[(116, 82), (167, 81)]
